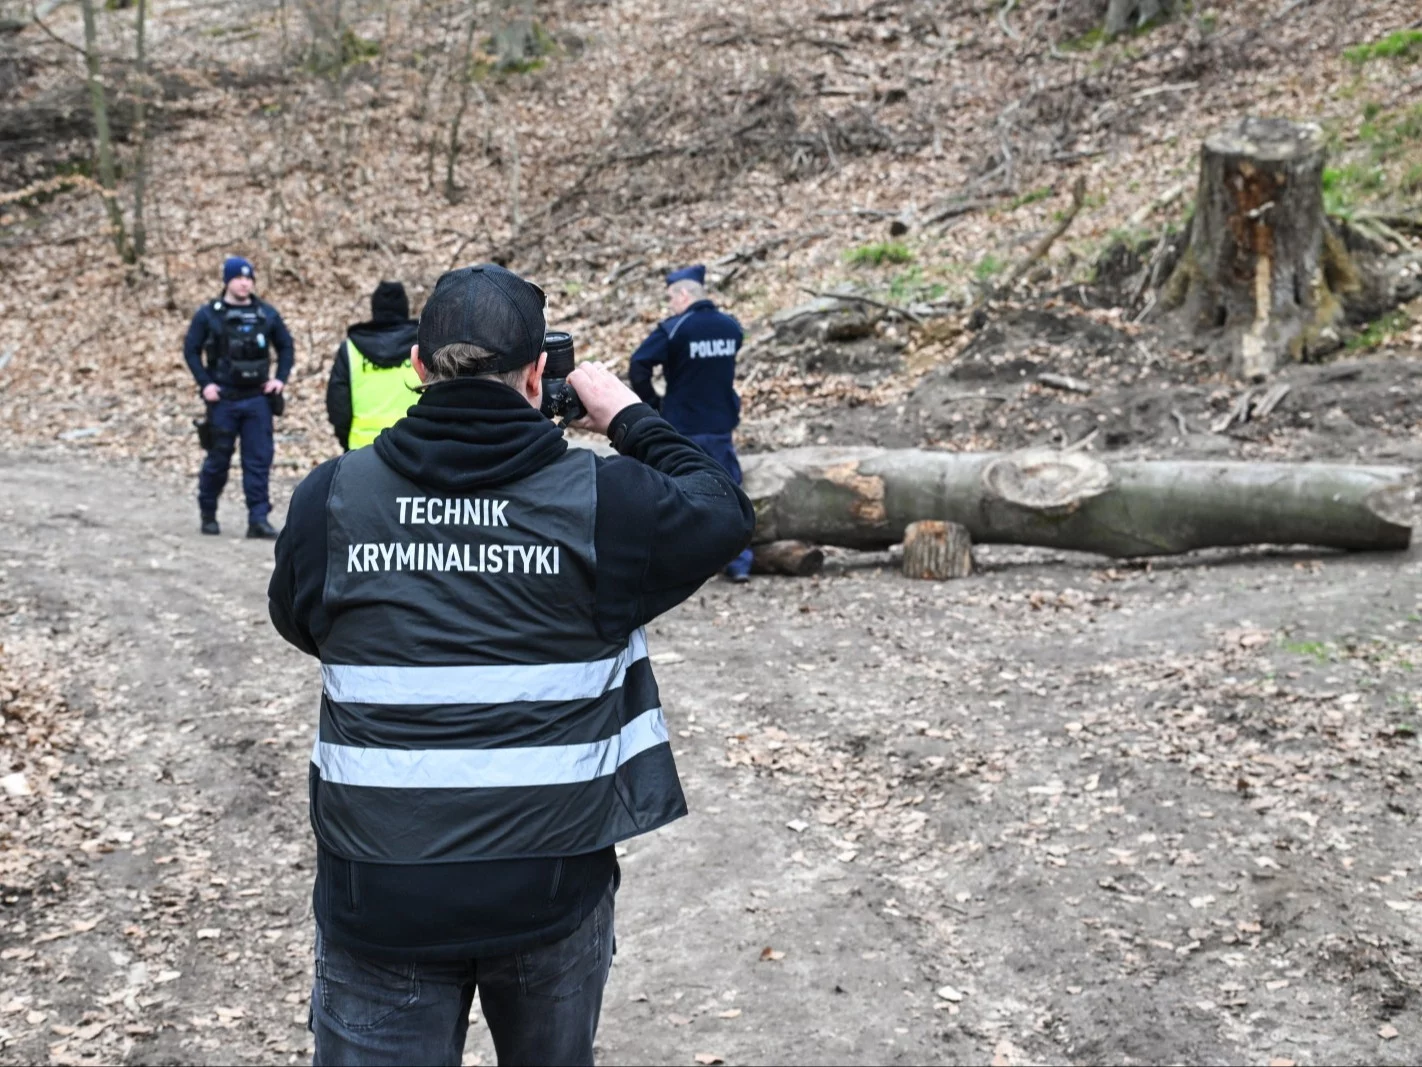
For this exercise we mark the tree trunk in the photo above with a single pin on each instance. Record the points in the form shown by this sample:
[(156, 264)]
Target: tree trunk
[(795, 558), (466, 78), (939, 550), (140, 132), (1255, 274), (99, 103), (867, 497)]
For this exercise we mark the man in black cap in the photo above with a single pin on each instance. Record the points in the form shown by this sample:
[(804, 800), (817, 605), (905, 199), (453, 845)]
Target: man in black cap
[(372, 383), (490, 727), (696, 349)]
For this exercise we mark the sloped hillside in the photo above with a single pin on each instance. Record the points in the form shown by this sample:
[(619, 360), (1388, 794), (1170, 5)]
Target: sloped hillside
[(779, 143)]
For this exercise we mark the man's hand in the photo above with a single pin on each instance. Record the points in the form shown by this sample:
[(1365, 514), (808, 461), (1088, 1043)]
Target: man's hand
[(603, 395), (211, 393), (273, 385)]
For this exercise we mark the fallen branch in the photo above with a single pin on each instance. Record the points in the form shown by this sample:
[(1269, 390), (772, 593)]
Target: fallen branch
[(623, 270), (854, 297), (37, 17), (1252, 404), (957, 208), (53, 185), (1002, 14), (1078, 197), (1270, 401), (1392, 224), (1065, 383), (1239, 412)]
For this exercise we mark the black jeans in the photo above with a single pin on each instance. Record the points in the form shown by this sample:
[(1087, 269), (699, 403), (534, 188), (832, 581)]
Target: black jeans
[(542, 1005)]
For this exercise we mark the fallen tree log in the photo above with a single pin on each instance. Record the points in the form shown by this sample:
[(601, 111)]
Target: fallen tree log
[(866, 497)]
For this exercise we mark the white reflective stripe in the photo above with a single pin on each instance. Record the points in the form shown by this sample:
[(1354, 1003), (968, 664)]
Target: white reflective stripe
[(488, 768), (348, 684)]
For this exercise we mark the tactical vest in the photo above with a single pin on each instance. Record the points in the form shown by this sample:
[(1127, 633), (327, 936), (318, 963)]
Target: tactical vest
[(380, 396), (238, 351), (469, 710)]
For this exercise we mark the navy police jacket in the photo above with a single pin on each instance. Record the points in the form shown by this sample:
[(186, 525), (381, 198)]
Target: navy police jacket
[(697, 353), (204, 330)]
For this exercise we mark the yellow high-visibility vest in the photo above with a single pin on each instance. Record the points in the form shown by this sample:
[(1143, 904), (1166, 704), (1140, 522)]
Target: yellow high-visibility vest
[(380, 396)]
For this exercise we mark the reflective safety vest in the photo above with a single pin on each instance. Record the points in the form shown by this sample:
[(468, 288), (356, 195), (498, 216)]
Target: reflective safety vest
[(470, 708), (380, 396)]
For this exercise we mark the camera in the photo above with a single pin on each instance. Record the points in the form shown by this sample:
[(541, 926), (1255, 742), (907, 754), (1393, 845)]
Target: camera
[(560, 400)]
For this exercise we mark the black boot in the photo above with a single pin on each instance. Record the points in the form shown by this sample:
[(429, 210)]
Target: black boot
[(209, 524), (262, 530)]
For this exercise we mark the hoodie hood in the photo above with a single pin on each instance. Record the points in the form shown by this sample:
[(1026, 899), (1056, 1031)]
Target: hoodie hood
[(386, 344), (469, 434)]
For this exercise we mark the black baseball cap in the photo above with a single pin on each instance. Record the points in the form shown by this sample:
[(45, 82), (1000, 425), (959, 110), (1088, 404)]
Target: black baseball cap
[(488, 306)]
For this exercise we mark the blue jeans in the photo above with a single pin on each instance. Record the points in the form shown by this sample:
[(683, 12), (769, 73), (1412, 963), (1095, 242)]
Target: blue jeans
[(720, 448), (542, 1005), (248, 420)]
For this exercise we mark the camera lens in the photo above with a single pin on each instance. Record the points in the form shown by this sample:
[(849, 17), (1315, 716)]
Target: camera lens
[(559, 346)]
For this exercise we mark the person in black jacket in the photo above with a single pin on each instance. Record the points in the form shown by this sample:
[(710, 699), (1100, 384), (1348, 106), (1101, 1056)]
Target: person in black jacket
[(490, 726), (364, 397)]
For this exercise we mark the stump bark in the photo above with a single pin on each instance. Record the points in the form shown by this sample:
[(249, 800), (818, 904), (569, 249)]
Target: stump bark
[(867, 497), (1254, 275), (1124, 15), (795, 558), (938, 550)]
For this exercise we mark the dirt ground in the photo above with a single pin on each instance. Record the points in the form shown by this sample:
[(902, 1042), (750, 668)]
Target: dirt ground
[(1062, 811), (1136, 398)]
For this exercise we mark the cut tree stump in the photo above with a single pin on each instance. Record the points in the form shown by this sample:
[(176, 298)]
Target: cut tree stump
[(938, 550), (867, 497), (1123, 16), (1258, 275), (795, 558)]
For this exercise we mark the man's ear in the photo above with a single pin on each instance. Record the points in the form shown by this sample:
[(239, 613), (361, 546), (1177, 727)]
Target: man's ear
[(421, 371), (533, 384)]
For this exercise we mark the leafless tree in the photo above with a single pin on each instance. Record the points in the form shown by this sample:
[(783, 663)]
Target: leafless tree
[(140, 131), (98, 101)]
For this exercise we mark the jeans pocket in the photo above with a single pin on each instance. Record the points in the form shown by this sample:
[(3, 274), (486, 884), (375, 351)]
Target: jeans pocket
[(561, 970), (361, 993)]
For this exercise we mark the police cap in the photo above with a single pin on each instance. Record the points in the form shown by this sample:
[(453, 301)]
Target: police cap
[(488, 306), (696, 273)]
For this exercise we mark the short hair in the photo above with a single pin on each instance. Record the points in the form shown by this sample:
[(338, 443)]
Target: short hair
[(693, 289), (462, 361)]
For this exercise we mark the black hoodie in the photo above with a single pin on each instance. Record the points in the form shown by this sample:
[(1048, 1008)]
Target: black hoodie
[(668, 517), (386, 344)]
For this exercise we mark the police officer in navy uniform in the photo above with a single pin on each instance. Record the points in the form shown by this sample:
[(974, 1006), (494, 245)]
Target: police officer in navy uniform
[(696, 349), (239, 336), (476, 591)]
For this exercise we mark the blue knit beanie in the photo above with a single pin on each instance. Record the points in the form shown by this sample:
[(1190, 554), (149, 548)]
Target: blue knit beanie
[(236, 267)]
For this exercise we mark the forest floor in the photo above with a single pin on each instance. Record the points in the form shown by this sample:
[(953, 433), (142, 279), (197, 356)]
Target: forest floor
[(1061, 811)]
